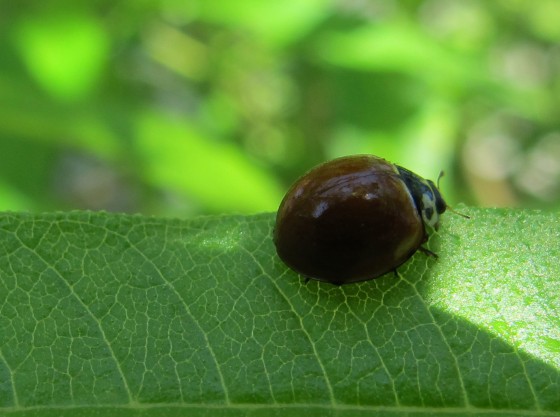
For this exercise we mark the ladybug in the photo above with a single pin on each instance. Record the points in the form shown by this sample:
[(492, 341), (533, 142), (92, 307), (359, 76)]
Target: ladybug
[(355, 218)]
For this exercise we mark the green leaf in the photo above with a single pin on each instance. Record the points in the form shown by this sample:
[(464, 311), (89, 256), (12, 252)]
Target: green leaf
[(406, 49), (177, 156), (64, 52), (275, 23), (128, 315), (401, 48)]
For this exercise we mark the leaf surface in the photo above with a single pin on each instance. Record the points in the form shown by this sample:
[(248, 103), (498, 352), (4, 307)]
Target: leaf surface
[(126, 315)]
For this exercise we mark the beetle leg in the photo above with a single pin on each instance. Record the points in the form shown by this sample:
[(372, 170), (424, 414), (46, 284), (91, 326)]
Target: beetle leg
[(428, 252)]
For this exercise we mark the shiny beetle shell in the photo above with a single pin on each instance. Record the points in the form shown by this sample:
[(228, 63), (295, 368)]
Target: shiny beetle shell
[(354, 219)]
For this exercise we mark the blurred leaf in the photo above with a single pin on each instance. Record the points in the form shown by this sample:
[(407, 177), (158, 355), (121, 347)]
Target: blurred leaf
[(401, 48), (22, 173), (177, 51), (13, 199), (277, 23), (131, 315), (64, 52), (545, 18), (175, 156), (75, 131)]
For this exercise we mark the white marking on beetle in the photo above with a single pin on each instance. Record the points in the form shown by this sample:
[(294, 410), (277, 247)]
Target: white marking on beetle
[(428, 202)]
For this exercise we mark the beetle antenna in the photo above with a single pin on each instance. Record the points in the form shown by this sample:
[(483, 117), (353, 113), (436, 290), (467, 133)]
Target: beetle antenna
[(457, 213), (441, 174)]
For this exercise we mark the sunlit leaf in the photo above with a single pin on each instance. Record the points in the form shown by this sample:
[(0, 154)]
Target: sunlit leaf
[(64, 52), (175, 156), (274, 22)]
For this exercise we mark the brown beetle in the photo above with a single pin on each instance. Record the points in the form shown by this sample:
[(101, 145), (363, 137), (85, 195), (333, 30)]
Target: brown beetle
[(354, 219)]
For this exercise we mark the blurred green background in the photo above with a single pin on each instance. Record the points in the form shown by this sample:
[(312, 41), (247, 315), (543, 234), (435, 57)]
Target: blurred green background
[(177, 108)]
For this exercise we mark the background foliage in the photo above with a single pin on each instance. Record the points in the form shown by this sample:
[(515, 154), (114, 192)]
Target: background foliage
[(177, 108)]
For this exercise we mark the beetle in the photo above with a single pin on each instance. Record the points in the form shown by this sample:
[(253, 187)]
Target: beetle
[(355, 218)]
